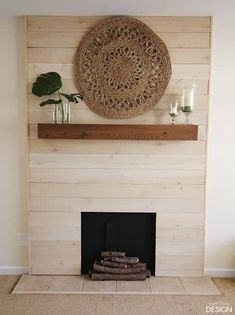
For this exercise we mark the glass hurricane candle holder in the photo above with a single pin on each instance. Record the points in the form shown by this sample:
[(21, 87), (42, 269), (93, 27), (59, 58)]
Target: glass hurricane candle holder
[(188, 102), (173, 112)]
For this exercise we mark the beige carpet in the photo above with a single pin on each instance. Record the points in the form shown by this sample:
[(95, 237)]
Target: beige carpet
[(110, 304)]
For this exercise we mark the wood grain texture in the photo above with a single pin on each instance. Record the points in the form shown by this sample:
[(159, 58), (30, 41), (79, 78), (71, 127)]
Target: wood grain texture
[(118, 161), (164, 177), (176, 265), (117, 132), (37, 38), (66, 55), (33, 134), (86, 116), (174, 24), (58, 226), (201, 103), (116, 190), (174, 86), (158, 147), (118, 176), (161, 205), (55, 257), (179, 71)]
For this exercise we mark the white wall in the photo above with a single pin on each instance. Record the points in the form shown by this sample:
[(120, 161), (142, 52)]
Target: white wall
[(117, 7), (220, 224), (220, 218), (13, 143)]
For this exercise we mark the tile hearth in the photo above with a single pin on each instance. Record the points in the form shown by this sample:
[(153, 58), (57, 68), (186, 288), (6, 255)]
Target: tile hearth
[(84, 285)]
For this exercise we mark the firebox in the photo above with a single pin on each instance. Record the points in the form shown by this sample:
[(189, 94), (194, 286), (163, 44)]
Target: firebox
[(133, 233)]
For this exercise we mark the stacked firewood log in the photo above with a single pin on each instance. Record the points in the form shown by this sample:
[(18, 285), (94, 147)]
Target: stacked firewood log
[(117, 266)]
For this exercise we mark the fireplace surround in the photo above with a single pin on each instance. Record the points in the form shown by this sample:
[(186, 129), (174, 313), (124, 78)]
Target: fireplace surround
[(70, 176), (133, 233)]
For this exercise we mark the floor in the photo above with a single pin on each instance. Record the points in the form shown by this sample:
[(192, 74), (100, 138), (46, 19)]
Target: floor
[(84, 285), (70, 304)]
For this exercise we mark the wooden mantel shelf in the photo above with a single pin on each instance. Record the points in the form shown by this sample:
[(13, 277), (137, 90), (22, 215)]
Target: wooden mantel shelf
[(117, 132)]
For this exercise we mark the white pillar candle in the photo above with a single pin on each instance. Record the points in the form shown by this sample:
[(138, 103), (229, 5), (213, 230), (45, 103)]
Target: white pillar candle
[(187, 97), (191, 96), (183, 98)]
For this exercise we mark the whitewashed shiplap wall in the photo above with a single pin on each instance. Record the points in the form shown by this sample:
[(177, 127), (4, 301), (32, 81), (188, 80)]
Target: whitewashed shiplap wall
[(70, 176)]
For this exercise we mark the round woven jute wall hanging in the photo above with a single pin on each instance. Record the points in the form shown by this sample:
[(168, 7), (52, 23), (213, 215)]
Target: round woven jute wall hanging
[(122, 68)]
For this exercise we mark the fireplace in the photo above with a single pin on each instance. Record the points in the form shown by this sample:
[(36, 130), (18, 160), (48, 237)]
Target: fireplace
[(133, 233)]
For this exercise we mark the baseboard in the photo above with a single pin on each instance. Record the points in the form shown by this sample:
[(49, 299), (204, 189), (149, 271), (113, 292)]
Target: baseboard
[(220, 272), (13, 270)]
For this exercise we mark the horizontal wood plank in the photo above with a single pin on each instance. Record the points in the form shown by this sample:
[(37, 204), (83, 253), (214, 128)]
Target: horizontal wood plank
[(160, 205), (116, 190), (179, 71), (180, 234), (177, 23), (33, 134), (86, 116), (180, 265), (174, 87), (57, 257), (58, 226), (201, 102), (50, 38), (60, 233), (104, 176), (55, 219), (66, 55), (195, 248), (118, 147), (173, 220), (124, 161), (190, 56), (83, 23)]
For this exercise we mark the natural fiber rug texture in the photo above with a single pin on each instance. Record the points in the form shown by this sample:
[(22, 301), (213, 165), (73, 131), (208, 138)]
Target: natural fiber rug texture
[(122, 68)]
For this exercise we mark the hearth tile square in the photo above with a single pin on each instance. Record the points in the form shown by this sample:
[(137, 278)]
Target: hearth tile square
[(98, 286), (66, 284), (166, 285), (32, 284), (133, 286), (200, 286)]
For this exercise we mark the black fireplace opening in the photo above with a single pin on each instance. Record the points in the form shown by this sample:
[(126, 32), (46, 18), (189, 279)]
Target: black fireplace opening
[(132, 233)]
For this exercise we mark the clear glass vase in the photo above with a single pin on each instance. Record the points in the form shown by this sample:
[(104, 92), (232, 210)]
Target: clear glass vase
[(61, 113), (173, 112), (67, 109), (188, 102), (56, 114)]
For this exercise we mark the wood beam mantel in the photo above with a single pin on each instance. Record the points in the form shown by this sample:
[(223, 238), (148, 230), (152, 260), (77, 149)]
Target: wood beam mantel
[(117, 132)]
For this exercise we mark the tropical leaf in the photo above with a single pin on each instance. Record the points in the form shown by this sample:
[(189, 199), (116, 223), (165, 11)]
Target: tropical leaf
[(47, 84), (74, 97), (50, 102)]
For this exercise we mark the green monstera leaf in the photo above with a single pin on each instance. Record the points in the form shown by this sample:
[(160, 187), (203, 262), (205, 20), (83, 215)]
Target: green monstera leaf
[(73, 98), (50, 102), (47, 84)]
